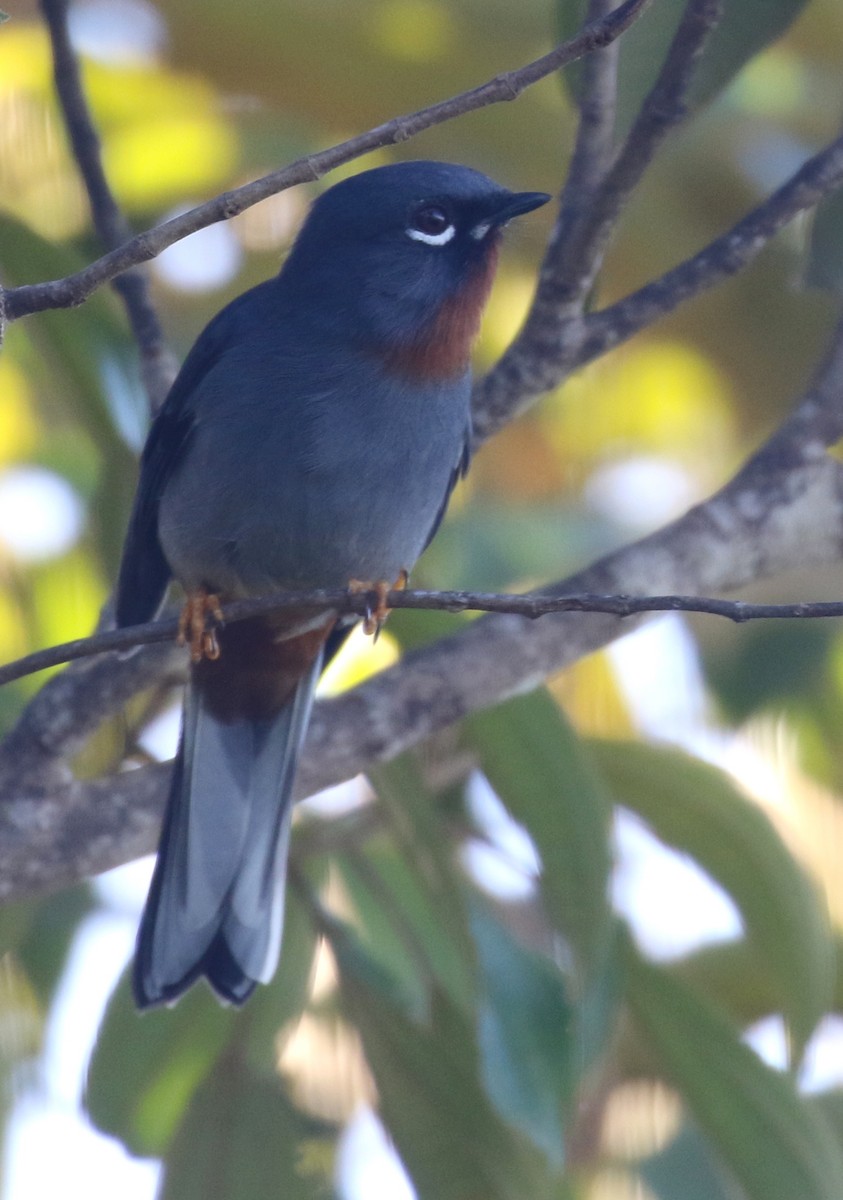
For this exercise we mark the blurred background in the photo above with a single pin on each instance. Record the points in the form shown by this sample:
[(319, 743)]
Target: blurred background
[(190, 101)]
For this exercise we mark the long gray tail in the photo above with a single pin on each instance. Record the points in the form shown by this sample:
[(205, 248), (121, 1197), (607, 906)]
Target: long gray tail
[(216, 903)]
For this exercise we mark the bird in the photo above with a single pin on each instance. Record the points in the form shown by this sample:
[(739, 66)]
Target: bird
[(311, 439)]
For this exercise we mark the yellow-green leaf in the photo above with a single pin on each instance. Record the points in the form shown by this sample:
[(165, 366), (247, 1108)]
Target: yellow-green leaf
[(775, 1142), (697, 809), (548, 782)]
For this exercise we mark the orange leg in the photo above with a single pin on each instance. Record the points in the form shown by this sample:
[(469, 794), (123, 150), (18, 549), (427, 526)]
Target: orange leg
[(194, 632), (374, 618)]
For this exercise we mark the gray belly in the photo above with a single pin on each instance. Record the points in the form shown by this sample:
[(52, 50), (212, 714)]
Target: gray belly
[(265, 502)]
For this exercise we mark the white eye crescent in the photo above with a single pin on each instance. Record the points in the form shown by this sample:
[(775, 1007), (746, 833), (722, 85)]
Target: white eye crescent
[(432, 239), (431, 223)]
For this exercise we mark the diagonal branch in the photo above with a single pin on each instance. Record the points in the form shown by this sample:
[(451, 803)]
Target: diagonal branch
[(537, 362), (575, 255), (782, 510), (722, 258), (663, 109), (54, 829), (63, 293)]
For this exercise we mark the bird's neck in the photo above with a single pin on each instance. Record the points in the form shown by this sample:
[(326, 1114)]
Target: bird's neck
[(441, 348)]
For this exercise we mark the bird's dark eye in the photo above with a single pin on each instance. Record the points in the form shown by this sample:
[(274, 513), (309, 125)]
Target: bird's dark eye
[(431, 223), (431, 219)]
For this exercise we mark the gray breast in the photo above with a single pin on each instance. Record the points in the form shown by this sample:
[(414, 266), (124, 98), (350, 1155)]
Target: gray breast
[(295, 488)]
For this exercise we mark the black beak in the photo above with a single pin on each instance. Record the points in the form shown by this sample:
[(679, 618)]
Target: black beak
[(503, 207), (516, 204)]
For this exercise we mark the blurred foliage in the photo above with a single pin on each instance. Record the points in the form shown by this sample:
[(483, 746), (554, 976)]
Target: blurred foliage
[(744, 29), (514, 1043)]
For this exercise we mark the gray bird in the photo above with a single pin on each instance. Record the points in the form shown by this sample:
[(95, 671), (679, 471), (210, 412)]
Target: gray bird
[(313, 437)]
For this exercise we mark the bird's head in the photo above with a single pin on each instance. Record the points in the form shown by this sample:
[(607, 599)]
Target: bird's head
[(400, 260)]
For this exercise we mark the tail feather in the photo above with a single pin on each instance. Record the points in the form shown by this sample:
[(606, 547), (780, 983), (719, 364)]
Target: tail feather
[(216, 903)]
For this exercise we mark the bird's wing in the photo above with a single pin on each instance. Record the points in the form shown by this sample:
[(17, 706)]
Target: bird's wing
[(144, 571), (459, 472)]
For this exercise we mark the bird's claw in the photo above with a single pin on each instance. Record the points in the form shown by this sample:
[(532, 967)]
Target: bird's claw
[(195, 631), (374, 618)]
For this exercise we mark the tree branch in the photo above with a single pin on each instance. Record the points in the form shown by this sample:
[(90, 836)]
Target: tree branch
[(594, 145), (73, 289), (157, 363), (663, 109), (528, 604), (539, 361), (575, 255), (54, 829), (722, 258), (782, 510)]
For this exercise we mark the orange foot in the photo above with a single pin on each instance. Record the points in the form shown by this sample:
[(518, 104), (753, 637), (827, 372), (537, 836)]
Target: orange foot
[(194, 633), (374, 618)]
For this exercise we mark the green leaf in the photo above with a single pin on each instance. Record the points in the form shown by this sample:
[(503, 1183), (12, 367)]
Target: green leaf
[(53, 924), (74, 347), (687, 1170), (697, 809), (487, 544), (548, 782), (16, 919), (525, 1035), (146, 1068), (780, 663), (830, 1105), (596, 1012), (416, 627), (732, 975), (281, 1002), (436, 912), (746, 28), (450, 1138), (396, 923), (776, 1144), (86, 363), (824, 265), (244, 1140)]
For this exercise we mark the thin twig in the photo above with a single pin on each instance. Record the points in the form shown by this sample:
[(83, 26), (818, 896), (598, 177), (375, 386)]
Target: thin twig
[(593, 153), (526, 372), (594, 146), (784, 509), (723, 257), (663, 109), (530, 605), (567, 281), (549, 345), (73, 289), (779, 510), (111, 226)]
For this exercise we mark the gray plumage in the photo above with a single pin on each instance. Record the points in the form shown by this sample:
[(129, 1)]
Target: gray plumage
[(312, 437)]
